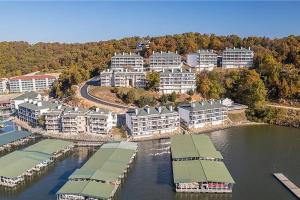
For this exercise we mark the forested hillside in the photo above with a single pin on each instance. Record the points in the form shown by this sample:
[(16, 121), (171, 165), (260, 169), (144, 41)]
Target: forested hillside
[(21, 57), (276, 62)]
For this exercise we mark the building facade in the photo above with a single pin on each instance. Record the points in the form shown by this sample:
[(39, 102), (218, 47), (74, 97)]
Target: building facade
[(3, 85), (237, 58), (33, 96), (164, 60), (202, 60), (149, 120), (31, 83), (200, 114), (76, 120), (129, 61), (123, 78), (31, 111), (177, 80)]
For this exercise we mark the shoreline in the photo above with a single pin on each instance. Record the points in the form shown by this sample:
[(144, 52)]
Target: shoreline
[(111, 138)]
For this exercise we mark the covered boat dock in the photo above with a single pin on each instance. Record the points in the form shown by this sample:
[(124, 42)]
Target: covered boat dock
[(14, 138), (14, 167), (197, 166), (101, 175)]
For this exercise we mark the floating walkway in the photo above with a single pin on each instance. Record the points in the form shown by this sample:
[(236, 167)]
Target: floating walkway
[(288, 184)]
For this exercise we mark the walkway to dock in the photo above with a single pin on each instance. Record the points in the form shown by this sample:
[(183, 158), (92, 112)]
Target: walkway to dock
[(288, 184)]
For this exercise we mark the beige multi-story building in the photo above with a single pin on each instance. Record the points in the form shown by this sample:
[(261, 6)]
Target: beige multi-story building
[(177, 80), (76, 120), (123, 78), (236, 58), (200, 114), (128, 61), (28, 83), (3, 85), (202, 60), (149, 120), (164, 60), (32, 110)]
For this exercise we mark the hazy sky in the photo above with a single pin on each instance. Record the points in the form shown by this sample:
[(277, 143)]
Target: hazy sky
[(94, 21)]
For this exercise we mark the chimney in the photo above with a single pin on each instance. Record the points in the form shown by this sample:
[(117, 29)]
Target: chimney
[(193, 104), (161, 52), (123, 53), (249, 48), (190, 69), (152, 52), (163, 70), (171, 108), (34, 102), (59, 107), (176, 52), (30, 100), (159, 109), (97, 109), (39, 104), (211, 102), (76, 109), (129, 53), (180, 69), (202, 103), (115, 53), (26, 99), (136, 111)]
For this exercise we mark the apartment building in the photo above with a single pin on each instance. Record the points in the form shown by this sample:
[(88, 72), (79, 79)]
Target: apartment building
[(150, 120), (177, 80), (123, 78), (237, 57), (33, 96), (32, 110), (202, 60), (164, 60), (77, 120), (3, 85), (130, 61), (28, 83), (200, 114)]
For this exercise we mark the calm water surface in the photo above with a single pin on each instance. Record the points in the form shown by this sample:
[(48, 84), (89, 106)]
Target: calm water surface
[(251, 154)]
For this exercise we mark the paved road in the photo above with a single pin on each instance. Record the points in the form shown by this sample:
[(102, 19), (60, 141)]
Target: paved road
[(286, 107), (84, 94)]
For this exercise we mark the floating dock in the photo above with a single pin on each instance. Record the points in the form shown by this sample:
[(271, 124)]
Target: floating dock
[(288, 184)]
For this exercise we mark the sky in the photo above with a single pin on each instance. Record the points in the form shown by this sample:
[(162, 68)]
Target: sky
[(99, 20)]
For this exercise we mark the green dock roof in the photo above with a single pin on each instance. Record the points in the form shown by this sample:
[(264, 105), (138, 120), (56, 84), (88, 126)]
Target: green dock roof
[(13, 136), (18, 162), (88, 189), (108, 163), (185, 146), (200, 171)]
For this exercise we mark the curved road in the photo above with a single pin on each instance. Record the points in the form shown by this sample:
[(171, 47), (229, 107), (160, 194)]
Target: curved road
[(84, 93)]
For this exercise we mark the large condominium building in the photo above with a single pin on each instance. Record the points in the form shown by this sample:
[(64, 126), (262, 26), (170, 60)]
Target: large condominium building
[(129, 61), (164, 60), (199, 114), (123, 78), (31, 111), (177, 80), (3, 84), (202, 60), (76, 120), (236, 58), (30, 83), (149, 120)]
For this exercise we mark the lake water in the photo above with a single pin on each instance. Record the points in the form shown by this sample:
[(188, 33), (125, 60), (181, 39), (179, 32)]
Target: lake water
[(251, 154)]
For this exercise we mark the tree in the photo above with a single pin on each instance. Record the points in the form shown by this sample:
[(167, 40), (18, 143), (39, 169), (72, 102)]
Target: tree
[(251, 89), (130, 97), (164, 99), (172, 97), (146, 100), (153, 80), (41, 121)]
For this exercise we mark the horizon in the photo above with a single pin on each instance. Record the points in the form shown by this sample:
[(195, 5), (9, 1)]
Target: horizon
[(84, 22)]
